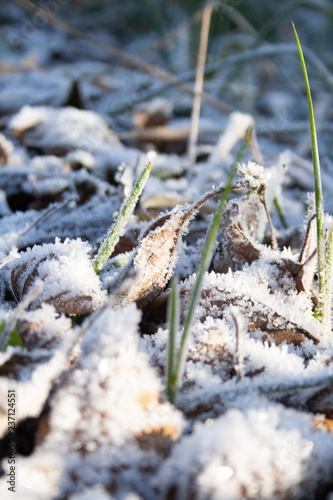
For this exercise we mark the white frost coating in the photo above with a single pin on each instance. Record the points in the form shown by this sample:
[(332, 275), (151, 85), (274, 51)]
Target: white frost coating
[(257, 453), (255, 283), (236, 128), (34, 385), (111, 377), (38, 477), (106, 407), (65, 269), (62, 128)]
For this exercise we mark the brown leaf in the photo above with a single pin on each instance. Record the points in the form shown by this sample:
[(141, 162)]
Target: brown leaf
[(156, 255), (70, 283), (240, 223), (216, 302)]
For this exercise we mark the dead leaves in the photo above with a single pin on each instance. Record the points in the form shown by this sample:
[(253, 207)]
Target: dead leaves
[(156, 255), (240, 224), (153, 260), (70, 283)]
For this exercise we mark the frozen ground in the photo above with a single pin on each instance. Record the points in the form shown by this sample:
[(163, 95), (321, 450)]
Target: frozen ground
[(79, 120)]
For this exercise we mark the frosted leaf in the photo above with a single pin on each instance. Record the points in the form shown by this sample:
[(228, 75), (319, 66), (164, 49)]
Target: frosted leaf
[(59, 131), (42, 328), (39, 477), (271, 313), (70, 283), (240, 223), (156, 255), (32, 375)]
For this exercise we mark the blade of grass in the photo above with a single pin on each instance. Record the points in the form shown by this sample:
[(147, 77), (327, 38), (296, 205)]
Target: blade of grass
[(115, 232), (328, 284), (202, 268), (318, 187), (173, 322)]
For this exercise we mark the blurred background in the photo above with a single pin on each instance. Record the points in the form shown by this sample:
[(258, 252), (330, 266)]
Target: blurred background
[(76, 52)]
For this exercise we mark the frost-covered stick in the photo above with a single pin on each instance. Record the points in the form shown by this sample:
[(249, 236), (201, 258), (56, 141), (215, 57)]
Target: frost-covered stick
[(327, 299), (271, 227), (318, 187), (307, 239), (199, 79), (24, 304), (115, 232), (238, 366), (173, 323), (202, 268), (251, 388)]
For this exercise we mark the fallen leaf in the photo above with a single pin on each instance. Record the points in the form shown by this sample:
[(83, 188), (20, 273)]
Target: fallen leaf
[(156, 255), (70, 283)]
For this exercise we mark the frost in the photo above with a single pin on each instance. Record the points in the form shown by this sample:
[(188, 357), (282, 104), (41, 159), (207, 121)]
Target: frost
[(90, 428), (60, 130), (70, 282), (264, 452), (236, 128)]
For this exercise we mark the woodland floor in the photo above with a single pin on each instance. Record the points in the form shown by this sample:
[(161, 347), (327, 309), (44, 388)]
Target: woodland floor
[(83, 106)]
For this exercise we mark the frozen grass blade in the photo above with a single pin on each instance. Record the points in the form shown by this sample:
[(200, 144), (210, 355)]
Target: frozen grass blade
[(115, 232), (202, 268), (318, 190), (328, 285), (173, 322)]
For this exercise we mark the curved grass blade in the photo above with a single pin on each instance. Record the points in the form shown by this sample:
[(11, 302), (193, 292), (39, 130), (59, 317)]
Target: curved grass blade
[(202, 268), (318, 187)]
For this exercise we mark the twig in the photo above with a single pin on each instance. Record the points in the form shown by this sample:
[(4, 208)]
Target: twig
[(238, 366), (198, 86)]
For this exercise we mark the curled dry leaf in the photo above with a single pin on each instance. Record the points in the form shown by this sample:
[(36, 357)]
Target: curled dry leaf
[(240, 223), (156, 255), (70, 283), (237, 245)]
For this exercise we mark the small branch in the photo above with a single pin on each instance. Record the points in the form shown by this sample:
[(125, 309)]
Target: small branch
[(238, 366), (193, 139), (271, 227)]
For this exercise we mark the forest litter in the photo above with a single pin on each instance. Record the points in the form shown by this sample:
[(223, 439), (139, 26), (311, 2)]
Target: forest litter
[(85, 346)]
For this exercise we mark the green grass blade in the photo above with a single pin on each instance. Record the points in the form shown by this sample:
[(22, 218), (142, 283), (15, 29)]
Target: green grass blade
[(317, 182), (115, 232), (173, 322), (203, 267)]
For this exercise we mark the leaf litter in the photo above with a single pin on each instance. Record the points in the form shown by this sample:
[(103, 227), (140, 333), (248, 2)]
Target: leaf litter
[(91, 371)]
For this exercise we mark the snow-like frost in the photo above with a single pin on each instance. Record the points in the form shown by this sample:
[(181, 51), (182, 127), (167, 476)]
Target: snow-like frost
[(107, 425), (67, 273), (263, 452), (62, 129)]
